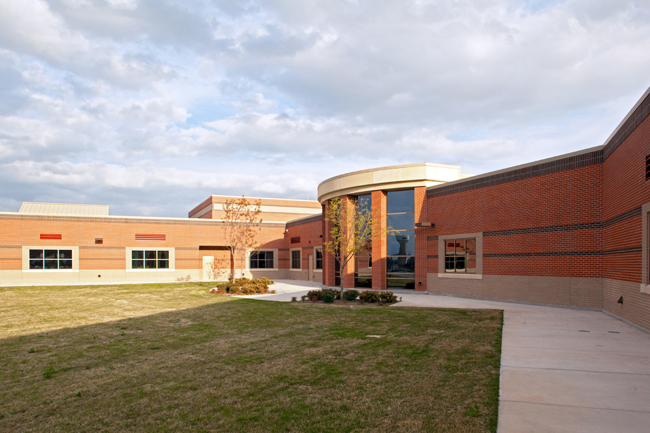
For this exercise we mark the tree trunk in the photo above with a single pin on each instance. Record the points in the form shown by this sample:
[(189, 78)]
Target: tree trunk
[(341, 277), (232, 266)]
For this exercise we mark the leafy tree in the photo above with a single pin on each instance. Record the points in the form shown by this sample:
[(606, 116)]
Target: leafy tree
[(241, 225), (351, 231)]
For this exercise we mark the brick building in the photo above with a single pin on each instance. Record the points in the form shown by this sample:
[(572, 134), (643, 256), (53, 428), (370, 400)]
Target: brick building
[(570, 230)]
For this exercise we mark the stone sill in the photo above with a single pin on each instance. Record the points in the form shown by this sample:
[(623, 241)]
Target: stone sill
[(50, 270), (151, 270), (462, 276)]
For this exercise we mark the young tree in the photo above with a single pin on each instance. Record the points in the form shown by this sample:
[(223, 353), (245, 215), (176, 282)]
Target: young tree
[(241, 226), (351, 232)]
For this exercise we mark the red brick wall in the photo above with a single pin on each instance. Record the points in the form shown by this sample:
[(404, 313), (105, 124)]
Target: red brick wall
[(310, 237), (557, 199), (117, 234), (625, 189), (420, 239), (379, 242)]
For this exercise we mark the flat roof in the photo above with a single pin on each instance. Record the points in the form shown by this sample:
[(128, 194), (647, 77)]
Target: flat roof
[(34, 208)]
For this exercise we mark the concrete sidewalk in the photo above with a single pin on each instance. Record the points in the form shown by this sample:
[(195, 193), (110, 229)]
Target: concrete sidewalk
[(562, 370)]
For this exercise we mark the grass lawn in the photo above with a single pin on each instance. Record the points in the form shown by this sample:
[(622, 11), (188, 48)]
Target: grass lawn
[(174, 358)]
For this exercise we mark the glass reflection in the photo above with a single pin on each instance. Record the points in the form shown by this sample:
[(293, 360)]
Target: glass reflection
[(400, 283), (401, 221), (363, 265), (471, 246), (362, 281), (400, 264), (400, 201), (402, 243), (365, 203)]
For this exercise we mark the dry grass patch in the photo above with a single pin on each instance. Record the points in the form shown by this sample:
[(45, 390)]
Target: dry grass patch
[(185, 360)]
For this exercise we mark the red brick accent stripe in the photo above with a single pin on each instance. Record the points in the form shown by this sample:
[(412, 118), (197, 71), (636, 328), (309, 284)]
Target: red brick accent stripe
[(50, 236), (150, 237)]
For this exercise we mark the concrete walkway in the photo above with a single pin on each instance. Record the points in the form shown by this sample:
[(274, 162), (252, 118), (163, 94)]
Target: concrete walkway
[(562, 370)]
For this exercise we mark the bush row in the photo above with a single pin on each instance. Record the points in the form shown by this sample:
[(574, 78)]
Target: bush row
[(330, 295), (244, 286)]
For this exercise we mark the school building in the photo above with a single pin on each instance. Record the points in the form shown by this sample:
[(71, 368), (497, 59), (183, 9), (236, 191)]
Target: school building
[(570, 230)]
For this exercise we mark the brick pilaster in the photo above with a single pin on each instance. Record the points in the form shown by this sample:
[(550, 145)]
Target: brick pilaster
[(379, 244), (421, 239), (347, 204)]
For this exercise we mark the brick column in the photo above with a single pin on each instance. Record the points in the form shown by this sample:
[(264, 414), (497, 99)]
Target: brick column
[(328, 259), (379, 243), (421, 239), (347, 274)]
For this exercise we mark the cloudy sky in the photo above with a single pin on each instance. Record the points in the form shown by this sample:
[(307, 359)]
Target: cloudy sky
[(150, 106)]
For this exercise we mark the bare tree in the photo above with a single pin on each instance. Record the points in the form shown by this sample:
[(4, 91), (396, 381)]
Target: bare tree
[(216, 272), (351, 231), (241, 225)]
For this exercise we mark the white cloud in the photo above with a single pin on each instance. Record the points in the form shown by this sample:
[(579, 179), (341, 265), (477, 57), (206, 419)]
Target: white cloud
[(126, 100)]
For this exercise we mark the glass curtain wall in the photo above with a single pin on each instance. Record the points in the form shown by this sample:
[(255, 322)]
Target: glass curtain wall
[(400, 262), (363, 262)]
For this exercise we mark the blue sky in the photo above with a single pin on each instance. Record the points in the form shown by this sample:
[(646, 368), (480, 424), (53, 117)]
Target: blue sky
[(150, 106)]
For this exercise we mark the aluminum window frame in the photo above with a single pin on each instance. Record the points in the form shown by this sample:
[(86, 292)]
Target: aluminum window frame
[(292, 261), (442, 239), (171, 259), (274, 259), (316, 250), (27, 248)]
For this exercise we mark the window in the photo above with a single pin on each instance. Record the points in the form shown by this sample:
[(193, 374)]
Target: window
[(400, 217), (365, 203), (261, 260), (50, 259), (363, 274), (460, 256), (319, 258), (149, 259), (295, 259)]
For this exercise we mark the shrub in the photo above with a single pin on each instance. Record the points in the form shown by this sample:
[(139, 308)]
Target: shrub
[(351, 295), (304, 298), (328, 296), (368, 296), (388, 297), (336, 293), (318, 294), (244, 286)]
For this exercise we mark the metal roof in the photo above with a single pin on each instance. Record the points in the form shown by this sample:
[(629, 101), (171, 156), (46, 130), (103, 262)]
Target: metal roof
[(63, 209)]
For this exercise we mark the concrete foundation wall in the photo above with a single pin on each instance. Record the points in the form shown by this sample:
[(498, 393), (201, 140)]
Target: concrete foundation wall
[(44, 278), (636, 305), (565, 291)]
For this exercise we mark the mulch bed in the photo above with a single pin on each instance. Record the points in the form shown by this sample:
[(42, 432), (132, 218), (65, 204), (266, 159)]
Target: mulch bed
[(339, 302)]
